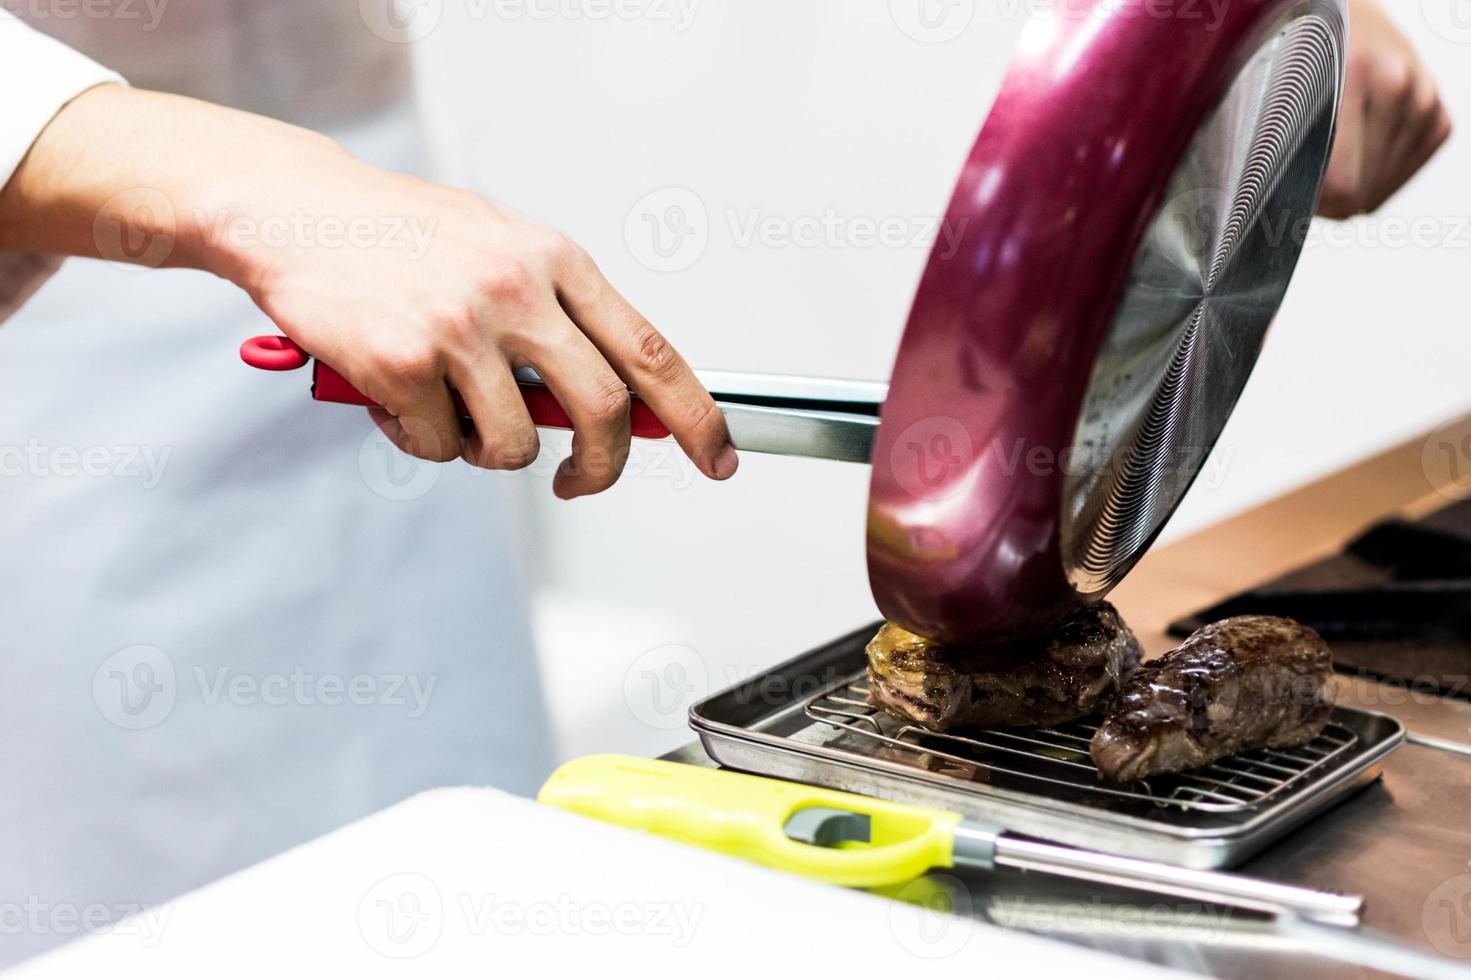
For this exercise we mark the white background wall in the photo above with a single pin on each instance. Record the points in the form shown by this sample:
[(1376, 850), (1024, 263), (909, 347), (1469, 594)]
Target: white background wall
[(800, 111)]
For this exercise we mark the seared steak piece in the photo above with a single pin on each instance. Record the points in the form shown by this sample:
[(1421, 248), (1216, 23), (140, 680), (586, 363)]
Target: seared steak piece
[(1041, 680), (1243, 683)]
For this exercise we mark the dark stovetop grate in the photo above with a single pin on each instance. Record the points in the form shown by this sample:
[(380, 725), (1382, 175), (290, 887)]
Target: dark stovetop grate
[(1055, 761), (1395, 604)]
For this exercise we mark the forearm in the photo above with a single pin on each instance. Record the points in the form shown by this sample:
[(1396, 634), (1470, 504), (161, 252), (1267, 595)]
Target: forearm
[(411, 290), (157, 168)]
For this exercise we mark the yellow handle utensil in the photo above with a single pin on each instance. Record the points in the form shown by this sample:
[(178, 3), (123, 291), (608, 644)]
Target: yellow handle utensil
[(863, 842), (839, 837)]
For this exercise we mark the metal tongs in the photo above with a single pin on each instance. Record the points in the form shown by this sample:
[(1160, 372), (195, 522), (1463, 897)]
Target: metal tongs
[(783, 415)]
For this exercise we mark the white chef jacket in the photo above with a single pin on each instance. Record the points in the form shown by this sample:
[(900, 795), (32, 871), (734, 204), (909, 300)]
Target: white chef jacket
[(37, 77), (233, 618)]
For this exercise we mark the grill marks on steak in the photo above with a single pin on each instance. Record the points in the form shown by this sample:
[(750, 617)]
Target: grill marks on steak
[(1243, 683), (1045, 680)]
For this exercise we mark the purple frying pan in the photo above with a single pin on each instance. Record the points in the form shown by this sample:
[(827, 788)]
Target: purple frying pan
[(1126, 224), (1128, 220)]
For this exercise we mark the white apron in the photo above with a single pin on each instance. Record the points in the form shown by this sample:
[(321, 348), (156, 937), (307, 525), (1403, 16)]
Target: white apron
[(233, 619)]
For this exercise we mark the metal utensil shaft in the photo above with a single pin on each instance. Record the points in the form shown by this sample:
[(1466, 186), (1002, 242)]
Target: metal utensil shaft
[(977, 846)]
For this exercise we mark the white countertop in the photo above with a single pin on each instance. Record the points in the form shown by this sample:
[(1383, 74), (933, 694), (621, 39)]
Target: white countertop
[(459, 882)]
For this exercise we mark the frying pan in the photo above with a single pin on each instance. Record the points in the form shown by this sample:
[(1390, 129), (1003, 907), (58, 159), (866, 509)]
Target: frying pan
[(1119, 240)]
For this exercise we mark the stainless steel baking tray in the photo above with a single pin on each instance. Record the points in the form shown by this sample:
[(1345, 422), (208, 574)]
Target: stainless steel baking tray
[(808, 720)]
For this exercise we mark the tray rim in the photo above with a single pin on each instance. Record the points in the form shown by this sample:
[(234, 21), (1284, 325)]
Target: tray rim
[(1226, 844)]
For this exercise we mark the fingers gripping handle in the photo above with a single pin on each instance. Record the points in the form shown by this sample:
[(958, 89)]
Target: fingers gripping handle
[(284, 354)]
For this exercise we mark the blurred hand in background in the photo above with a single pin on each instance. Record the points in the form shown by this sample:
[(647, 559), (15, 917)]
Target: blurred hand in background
[(1391, 120)]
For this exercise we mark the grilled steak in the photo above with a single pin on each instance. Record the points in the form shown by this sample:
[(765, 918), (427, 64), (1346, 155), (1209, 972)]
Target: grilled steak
[(1043, 680), (1240, 684)]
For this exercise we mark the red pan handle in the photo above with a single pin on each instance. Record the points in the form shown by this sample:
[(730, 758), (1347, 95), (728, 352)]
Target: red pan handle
[(283, 354)]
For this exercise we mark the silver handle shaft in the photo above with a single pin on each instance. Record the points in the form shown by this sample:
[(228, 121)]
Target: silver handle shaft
[(1236, 891)]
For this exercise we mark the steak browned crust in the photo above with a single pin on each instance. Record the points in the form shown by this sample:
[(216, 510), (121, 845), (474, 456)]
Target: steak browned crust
[(1243, 683), (1044, 680)]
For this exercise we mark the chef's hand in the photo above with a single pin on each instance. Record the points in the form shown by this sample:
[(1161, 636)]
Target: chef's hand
[(489, 293), (436, 289), (1391, 120)]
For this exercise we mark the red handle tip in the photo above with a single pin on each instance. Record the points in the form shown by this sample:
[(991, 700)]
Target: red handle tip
[(273, 354)]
